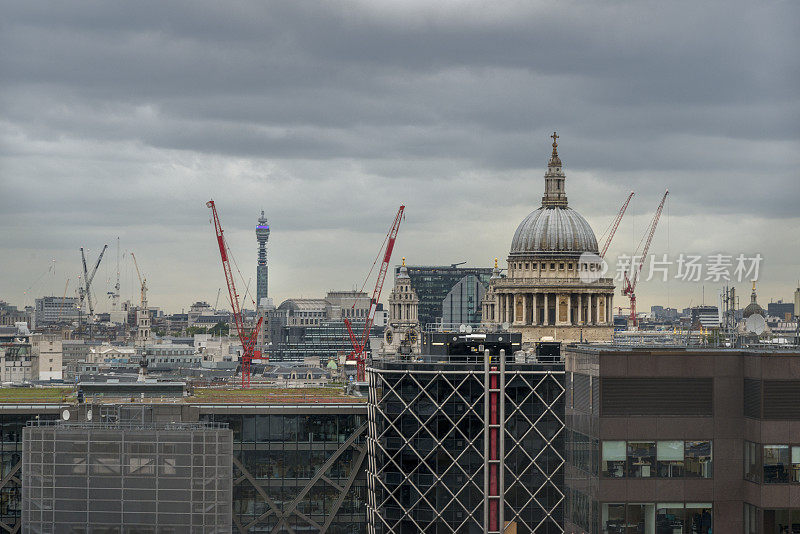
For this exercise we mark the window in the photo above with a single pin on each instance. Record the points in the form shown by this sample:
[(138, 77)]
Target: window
[(561, 266), (750, 519), (657, 518), (552, 266), (669, 455), (641, 459), (752, 467), (569, 266), (613, 459), (544, 266), (697, 459), (776, 464)]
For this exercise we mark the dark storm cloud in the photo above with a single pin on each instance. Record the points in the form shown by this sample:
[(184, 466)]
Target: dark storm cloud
[(126, 117)]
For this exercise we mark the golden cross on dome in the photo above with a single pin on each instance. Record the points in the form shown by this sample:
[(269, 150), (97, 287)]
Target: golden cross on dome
[(554, 136)]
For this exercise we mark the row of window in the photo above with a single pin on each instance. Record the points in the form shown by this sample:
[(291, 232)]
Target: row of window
[(543, 266), (657, 518), (646, 459), (772, 464)]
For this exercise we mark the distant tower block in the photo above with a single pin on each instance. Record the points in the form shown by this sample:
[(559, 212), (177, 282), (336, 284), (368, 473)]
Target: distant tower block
[(262, 235)]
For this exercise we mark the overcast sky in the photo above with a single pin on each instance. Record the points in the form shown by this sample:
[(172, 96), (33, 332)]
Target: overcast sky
[(123, 119)]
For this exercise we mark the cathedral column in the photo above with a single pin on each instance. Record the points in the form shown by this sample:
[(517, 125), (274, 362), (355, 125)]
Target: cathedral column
[(569, 308), (509, 304), (546, 320), (595, 310), (534, 318), (580, 308), (524, 308)]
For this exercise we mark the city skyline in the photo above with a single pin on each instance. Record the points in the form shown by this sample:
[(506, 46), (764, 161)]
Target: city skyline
[(124, 123)]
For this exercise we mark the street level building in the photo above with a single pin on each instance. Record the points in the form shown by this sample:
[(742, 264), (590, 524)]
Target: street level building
[(554, 286), (682, 440)]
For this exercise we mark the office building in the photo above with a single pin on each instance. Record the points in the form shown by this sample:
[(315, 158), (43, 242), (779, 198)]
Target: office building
[(49, 310), (464, 442), (682, 440), (148, 476), (555, 285), (780, 309), (432, 283), (462, 305), (295, 462)]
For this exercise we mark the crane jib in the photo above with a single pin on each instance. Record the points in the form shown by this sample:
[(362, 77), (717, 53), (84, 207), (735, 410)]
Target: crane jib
[(222, 252)]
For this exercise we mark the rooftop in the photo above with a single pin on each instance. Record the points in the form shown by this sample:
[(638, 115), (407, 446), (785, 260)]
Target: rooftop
[(202, 395)]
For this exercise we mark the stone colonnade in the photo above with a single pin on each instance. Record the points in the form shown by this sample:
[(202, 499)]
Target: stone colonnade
[(550, 308)]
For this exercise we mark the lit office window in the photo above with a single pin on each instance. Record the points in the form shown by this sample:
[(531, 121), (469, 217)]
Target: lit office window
[(699, 518), (641, 459), (697, 459), (776, 464), (614, 459), (795, 464), (669, 455), (670, 518)]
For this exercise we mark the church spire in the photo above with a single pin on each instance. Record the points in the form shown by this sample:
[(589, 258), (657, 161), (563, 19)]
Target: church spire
[(554, 195)]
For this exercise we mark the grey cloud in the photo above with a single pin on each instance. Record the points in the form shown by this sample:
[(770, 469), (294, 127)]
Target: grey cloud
[(125, 118)]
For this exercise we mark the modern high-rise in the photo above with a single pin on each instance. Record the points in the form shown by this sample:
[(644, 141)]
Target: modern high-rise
[(262, 278), (466, 439)]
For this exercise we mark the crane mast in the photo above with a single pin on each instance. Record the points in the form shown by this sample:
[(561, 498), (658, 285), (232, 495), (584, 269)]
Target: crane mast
[(615, 225), (360, 345), (629, 282), (85, 291), (247, 341)]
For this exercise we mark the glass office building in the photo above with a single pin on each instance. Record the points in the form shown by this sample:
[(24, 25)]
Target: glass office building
[(433, 283), (126, 476), (460, 443), (297, 468)]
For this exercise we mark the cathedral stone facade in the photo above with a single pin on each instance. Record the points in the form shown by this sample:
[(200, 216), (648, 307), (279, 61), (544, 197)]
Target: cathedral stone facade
[(402, 335), (555, 285)]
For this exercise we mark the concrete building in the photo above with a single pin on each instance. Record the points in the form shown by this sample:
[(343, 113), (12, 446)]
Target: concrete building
[(262, 269), (678, 439), (47, 351), (16, 363), (555, 285), (49, 310), (403, 334), (10, 315)]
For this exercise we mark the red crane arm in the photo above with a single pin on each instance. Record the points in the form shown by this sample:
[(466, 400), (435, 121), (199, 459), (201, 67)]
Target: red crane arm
[(376, 294), (226, 266), (650, 234), (247, 341), (615, 225)]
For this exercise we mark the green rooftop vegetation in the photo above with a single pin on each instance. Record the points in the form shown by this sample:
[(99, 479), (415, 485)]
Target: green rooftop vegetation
[(44, 395), (273, 395)]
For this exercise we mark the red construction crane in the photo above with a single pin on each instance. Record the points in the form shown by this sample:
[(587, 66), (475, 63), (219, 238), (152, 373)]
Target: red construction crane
[(358, 346), (615, 225), (247, 341), (629, 283)]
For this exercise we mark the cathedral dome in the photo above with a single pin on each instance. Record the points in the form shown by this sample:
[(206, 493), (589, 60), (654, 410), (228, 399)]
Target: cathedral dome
[(554, 228), (753, 308)]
